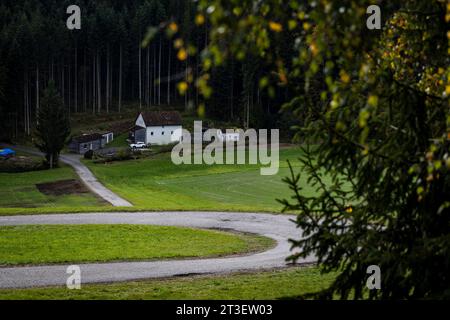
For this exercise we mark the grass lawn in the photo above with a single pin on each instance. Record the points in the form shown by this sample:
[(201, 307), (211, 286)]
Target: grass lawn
[(119, 141), (158, 184), (42, 244), (154, 184), (18, 190), (280, 284)]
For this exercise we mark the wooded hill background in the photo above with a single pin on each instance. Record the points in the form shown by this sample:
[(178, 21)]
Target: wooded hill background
[(103, 67)]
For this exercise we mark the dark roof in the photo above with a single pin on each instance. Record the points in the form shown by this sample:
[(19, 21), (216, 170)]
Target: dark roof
[(87, 138), (161, 118)]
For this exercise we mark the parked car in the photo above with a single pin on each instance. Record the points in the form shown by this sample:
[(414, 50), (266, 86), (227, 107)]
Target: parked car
[(138, 145)]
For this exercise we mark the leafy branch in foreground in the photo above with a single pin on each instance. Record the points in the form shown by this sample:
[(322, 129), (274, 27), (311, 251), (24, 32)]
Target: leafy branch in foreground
[(375, 105)]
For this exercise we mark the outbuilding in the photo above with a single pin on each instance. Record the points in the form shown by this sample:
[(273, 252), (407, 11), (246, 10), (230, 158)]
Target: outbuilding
[(86, 142), (157, 128)]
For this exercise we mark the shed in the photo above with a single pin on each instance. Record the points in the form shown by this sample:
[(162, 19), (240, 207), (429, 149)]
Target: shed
[(86, 142)]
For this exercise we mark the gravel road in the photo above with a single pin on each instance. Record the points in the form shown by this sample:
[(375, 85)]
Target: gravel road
[(277, 227)]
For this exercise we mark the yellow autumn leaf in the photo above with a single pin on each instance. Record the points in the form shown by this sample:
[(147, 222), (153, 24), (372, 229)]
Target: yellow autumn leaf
[(182, 54), (182, 87), (178, 43), (372, 101), (275, 26), (345, 78), (199, 19), (292, 24), (201, 110), (314, 49), (173, 27)]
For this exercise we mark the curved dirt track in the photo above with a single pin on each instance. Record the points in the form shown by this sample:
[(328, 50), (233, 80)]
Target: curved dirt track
[(277, 227), (86, 176)]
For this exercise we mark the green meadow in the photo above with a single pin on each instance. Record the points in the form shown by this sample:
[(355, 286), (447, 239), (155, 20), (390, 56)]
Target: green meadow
[(48, 244), (158, 184)]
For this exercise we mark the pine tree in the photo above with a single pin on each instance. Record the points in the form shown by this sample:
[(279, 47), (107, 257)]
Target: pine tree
[(53, 127), (376, 121)]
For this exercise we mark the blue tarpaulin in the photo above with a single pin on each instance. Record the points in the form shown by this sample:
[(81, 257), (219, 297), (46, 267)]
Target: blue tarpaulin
[(6, 153)]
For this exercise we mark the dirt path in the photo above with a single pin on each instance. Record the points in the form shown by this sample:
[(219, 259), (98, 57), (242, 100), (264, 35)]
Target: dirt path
[(85, 175)]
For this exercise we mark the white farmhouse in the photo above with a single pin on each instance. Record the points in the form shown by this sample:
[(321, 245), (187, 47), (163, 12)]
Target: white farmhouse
[(157, 128), (227, 137)]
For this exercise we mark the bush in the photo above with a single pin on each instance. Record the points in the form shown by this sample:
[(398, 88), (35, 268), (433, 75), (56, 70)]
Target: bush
[(21, 164), (119, 155), (89, 155)]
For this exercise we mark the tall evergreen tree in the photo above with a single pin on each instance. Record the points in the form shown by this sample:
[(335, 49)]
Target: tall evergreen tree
[(53, 126), (374, 105)]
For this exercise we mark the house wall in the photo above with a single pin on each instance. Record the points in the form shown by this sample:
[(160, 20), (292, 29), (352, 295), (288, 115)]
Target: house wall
[(227, 137), (163, 135), (74, 147), (139, 135), (92, 145), (109, 137)]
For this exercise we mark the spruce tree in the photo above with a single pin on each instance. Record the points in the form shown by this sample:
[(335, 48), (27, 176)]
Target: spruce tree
[(53, 126), (373, 110)]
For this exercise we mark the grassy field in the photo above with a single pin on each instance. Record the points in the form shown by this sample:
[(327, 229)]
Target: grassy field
[(42, 244), (158, 184), (280, 284), (18, 190), (154, 184)]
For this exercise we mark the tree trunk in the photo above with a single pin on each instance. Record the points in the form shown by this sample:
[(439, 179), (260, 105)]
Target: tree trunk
[(107, 79), (37, 89), (248, 111), (69, 96), (154, 76), (25, 111), (159, 72), (111, 75), (232, 90), (94, 86), (53, 70), (186, 93), (99, 85), (140, 75), (85, 83), (148, 86), (120, 78), (168, 75), (62, 82), (76, 80)]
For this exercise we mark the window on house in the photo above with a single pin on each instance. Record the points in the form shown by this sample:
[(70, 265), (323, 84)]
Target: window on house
[(162, 133), (171, 132), (85, 146), (151, 133)]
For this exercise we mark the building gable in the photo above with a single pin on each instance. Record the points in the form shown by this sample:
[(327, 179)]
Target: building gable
[(140, 121)]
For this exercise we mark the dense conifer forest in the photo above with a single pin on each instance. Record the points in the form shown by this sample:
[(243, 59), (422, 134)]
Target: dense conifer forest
[(106, 65)]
